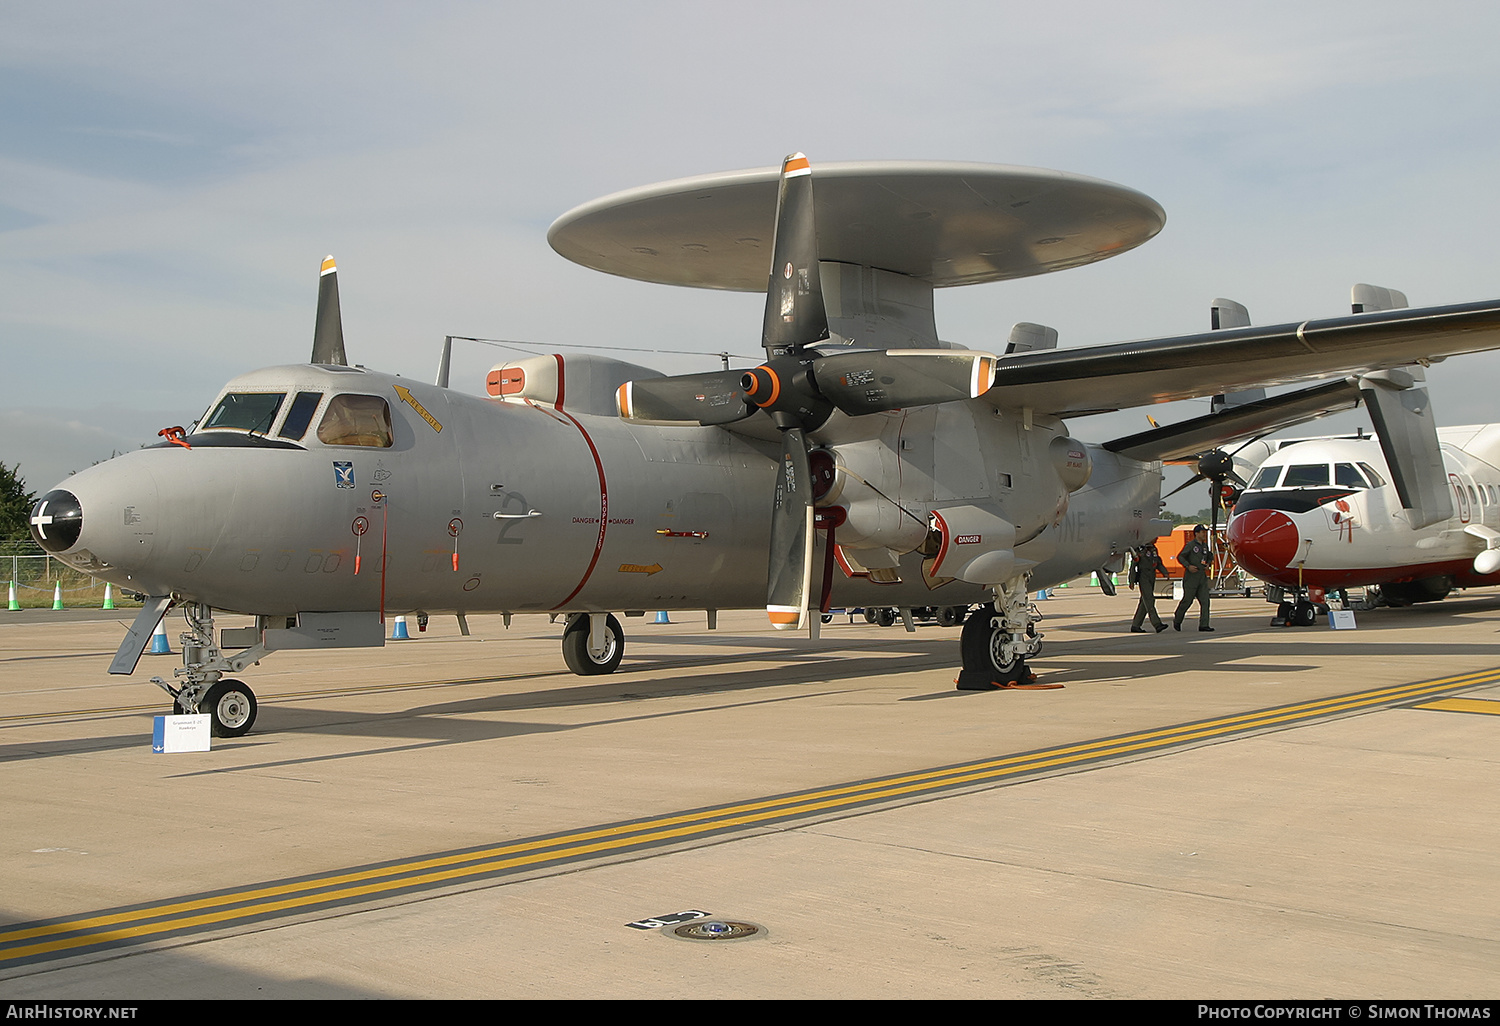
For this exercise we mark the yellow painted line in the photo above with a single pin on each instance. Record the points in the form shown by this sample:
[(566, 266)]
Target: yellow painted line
[(1487, 706), (284, 897)]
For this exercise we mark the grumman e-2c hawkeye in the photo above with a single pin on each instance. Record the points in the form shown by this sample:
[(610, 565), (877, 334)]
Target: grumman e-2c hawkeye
[(865, 462)]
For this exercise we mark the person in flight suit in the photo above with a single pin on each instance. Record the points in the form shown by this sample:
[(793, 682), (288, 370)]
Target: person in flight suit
[(1196, 559), (1144, 570)]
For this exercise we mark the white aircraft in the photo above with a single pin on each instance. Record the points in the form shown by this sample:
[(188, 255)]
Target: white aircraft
[(323, 497), (1324, 515)]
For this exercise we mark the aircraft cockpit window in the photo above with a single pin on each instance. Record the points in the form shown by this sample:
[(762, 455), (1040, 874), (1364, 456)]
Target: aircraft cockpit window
[(1345, 475), (244, 411), (1266, 478), (1376, 481), (300, 415), (356, 420), (1305, 475)]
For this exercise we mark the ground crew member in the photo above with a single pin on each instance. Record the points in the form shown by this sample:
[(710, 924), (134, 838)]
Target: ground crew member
[(1144, 569), (1196, 559)]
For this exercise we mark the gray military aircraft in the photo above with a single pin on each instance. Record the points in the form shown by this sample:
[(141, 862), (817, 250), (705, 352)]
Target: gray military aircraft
[(865, 462)]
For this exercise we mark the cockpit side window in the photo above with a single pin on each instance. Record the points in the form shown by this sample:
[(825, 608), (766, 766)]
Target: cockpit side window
[(244, 411), (1266, 478), (1344, 474), (356, 420), (300, 415), (1305, 475), (1376, 481)]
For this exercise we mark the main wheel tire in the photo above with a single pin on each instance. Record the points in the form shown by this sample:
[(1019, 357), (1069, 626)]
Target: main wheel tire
[(886, 617), (582, 659), (950, 616), (979, 645), (231, 706), (869, 614)]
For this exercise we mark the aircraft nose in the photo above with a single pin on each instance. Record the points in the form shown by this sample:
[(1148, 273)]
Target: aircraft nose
[(1264, 541), (57, 520)]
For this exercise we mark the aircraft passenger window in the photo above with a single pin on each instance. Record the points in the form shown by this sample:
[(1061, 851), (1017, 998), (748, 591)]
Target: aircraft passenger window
[(244, 411), (1266, 478), (356, 420), (1376, 481), (1345, 474), (300, 415), (1306, 475), (1473, 499)]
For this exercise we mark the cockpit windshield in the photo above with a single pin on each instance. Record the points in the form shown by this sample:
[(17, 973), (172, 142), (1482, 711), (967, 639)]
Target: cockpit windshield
[(1305, 475), (1266, 478), (244, 411), (356, 420)]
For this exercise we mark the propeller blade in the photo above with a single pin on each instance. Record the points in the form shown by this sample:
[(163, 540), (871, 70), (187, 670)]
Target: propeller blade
[(714, 397), (328, 335), (1190, 481), (790, 567), (869, 382), (795, 316)]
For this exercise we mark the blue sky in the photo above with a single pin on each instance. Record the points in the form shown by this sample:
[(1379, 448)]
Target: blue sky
[(172, 174)]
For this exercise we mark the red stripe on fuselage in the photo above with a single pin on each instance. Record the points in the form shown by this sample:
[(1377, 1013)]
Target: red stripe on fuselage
[(603, 500)]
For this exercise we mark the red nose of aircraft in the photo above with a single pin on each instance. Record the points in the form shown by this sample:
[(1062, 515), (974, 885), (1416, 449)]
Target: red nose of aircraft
[(1264, 541)]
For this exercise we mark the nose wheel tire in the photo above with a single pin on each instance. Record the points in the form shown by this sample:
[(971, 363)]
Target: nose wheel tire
[(232, 706), (586, 659)]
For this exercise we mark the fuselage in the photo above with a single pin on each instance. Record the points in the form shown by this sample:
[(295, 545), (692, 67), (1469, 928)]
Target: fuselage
[(1323, 513), (321, 488)]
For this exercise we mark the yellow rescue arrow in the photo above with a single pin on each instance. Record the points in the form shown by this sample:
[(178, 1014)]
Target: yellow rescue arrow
[(411, 401)]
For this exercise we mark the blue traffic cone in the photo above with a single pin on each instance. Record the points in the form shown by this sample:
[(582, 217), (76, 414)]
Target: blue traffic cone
[(661, 617), (159, 644), (400, 632)]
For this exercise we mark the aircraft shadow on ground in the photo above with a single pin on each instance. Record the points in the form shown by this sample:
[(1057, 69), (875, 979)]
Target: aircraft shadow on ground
[(800, 662)]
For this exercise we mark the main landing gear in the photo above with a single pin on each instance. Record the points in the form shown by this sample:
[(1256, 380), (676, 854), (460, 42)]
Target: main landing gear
[(230, 703), (997, 640)]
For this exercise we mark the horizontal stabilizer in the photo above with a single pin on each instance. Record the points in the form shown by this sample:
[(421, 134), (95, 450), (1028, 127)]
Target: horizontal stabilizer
[(1178, 441)]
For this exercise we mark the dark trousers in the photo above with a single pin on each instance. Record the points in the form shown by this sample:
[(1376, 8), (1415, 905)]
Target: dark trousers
[(1146, 607), (1194, 589)]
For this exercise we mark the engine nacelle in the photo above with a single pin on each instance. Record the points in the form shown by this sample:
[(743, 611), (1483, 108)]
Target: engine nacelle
[(975, 545)]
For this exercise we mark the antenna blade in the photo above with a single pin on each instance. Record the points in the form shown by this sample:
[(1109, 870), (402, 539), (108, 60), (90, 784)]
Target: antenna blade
[(328, 335)]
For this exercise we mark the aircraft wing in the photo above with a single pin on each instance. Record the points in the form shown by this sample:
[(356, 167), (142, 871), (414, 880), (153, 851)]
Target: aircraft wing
[(1101, 379)]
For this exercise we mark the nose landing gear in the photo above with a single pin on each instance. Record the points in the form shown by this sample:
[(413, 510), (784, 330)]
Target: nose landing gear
[(205, 689)]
